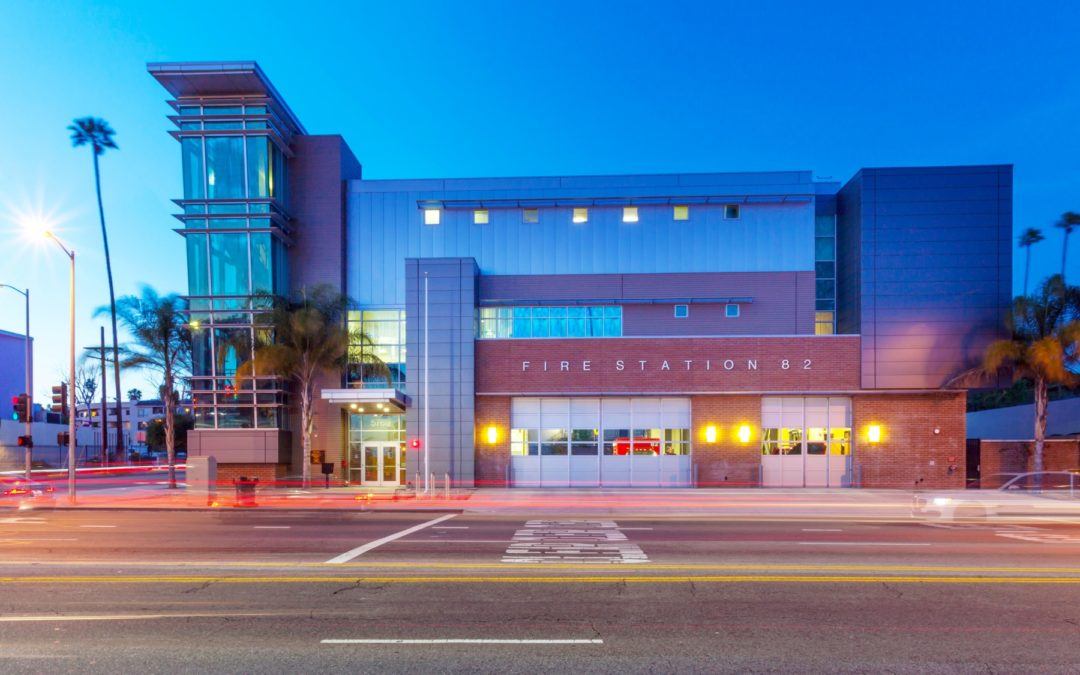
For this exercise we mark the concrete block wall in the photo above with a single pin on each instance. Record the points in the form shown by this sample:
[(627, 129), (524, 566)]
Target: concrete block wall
[(451, 356)]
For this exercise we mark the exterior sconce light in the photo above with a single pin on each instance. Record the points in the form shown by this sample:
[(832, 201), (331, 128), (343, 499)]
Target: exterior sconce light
[(492, 433), (744, 433), (873, 433), (710, 433)]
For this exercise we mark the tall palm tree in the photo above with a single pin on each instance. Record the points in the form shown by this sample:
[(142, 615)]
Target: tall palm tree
[(97, 133), (1044, 346), (1068, 221), (309, 337), (161, 342), (1029, 238)]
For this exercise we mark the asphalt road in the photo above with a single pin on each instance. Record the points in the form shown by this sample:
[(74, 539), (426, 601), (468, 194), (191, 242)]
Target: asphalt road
[(241, 591)]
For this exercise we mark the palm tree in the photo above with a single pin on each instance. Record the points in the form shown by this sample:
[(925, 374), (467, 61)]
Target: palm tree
[(161, 341), (1067, 222), (1029, 238), (309, 337), (1044, 346), (97, 133)]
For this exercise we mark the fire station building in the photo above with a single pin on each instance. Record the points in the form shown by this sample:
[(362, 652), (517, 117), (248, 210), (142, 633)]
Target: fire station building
[(675, 330)]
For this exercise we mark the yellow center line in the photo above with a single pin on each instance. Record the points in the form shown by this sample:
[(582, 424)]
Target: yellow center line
[(591, 567), (731, 578)]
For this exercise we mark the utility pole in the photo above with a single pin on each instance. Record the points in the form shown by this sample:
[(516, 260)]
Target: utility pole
[(104, 404)]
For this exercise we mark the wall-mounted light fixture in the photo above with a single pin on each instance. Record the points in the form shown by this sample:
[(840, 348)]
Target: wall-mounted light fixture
[(744, 433), (710, 433), (873, 433), (492, 434)]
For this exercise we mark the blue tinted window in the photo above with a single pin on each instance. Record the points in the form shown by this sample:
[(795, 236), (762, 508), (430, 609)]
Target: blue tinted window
[(191, 152), (229, 264), (198, 276), (224, 167)]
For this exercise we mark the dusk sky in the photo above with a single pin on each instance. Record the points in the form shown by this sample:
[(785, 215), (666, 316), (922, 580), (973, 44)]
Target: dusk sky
[(455, 89)]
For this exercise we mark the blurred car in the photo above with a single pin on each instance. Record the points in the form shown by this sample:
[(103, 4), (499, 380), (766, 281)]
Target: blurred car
[(19, 487), (1026, 495)]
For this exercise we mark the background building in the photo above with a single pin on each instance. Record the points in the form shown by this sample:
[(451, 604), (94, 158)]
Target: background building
[(12, 369), (671, 330)]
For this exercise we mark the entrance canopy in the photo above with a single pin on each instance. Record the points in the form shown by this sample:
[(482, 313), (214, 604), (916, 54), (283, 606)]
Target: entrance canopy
[(385, 401)]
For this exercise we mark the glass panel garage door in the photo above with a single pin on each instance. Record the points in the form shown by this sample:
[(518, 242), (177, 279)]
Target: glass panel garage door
[(805, 442), (590, 442)]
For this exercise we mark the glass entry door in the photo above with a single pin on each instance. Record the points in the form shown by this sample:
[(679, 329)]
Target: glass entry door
[(380, 464)]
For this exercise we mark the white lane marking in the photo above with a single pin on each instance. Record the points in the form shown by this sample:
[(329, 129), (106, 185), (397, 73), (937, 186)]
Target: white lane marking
[(454, 541), (361, 550), (450, 527), (863, 543), (1042, 537), (23, 539), (119, 617), (273, 527), (457, 641), (97, 526), (22, 521), (579, 541), (821, 529)]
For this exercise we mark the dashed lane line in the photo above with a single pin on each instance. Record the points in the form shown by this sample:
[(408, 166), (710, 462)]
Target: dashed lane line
[(461, 641)]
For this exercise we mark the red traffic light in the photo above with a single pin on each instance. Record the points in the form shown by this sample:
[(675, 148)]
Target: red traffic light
[(415, 444)]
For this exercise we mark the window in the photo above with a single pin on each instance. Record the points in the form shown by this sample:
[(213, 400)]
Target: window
[(376, 355), (480, 217), (581, 215), (224, 167), (542, 322), (681, 213), (823, 323), (530, 215), (431, 216), (682, 311), (731, 211), (629, 214), (731, 311)]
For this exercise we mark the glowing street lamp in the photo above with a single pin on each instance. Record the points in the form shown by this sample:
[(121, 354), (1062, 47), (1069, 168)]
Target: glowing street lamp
[(71, 363)]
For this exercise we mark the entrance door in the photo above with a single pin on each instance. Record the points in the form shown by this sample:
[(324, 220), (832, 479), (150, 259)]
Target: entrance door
[(381, 464)]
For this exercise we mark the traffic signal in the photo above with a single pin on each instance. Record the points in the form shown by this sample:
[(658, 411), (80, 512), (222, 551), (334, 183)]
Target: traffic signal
[(62, 438), (60, 400), (26, 442), (21, 403), (318, 456)]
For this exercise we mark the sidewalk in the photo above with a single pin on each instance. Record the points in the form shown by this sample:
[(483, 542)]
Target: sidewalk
[(786, 504)]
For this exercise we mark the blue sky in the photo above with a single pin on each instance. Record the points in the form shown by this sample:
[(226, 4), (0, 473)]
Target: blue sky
[(424, 89)]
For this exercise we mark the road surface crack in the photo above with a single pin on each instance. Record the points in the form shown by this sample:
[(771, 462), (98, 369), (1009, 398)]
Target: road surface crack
[(198, 588), (896, 591)]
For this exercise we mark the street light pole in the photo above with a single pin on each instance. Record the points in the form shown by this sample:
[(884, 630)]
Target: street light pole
[(71, 367), (29, 380)]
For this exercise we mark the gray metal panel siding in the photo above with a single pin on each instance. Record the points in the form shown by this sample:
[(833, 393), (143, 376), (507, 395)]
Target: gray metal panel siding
[(848, 221), (934, 268), (385, 227), (451, 383), (783, 302)]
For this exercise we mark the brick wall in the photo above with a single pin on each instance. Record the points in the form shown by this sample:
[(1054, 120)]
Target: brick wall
[(728, 461), (492, 458), (267, 474), (826, 363), (910, 454), (1002, 457)]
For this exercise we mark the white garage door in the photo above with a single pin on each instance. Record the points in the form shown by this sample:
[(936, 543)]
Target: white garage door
[(590, 442), (805, 441)]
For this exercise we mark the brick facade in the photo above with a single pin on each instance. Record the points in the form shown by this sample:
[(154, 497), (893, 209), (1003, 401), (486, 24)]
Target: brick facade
[(727, 461), (492, 458), (1005, 457), (268, 474), (671, 365), (910, 454)]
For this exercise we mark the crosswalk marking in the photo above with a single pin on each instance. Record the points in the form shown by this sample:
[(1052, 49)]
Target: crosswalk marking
[(578, 541)]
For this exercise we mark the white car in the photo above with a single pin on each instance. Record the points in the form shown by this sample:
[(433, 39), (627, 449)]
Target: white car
[(1044, 494)]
